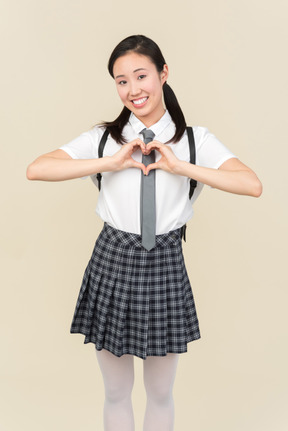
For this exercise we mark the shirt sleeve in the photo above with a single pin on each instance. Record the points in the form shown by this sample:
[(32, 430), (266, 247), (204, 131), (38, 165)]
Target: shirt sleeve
[(210, 152), (84, 146)]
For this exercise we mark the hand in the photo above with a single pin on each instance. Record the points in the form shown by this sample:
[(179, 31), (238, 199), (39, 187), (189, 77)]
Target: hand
[(123, 158), (168, 161)]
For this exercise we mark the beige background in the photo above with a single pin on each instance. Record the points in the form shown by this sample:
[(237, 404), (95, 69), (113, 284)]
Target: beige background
[(228, 64)]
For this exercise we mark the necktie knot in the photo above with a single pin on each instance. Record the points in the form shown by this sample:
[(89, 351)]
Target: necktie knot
[(148, 135)]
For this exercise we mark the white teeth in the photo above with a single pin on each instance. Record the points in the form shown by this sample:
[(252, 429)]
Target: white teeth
[(139, 101)]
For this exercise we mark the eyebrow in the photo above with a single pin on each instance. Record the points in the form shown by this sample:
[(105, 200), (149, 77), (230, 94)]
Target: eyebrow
[(134, 71)]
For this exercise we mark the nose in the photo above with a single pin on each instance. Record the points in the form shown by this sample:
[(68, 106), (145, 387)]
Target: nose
[(135, 89)]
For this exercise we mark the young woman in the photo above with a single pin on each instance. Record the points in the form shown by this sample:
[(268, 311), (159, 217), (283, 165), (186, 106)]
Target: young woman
[(136, 300)]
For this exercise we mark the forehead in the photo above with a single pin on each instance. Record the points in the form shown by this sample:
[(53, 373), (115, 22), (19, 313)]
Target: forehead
[(131, 62)]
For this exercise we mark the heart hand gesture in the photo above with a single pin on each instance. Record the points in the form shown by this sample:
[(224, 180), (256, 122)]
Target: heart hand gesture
[(123, 158)]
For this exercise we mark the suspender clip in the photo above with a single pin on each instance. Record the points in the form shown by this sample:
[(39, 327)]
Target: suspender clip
[(183, 232), (99, 177)]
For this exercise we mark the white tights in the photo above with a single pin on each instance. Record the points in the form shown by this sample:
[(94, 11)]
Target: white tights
[(118, 376)]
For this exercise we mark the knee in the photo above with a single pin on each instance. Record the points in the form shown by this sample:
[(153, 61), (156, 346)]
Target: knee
[(117, 393), (160, 395)]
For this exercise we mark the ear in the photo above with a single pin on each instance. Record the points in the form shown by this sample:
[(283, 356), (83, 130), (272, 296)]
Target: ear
[(164, 74)]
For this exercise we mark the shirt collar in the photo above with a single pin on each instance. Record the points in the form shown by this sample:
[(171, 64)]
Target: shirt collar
[(157, 128)]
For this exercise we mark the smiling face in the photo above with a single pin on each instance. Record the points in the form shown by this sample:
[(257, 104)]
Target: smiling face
[(139, 86)]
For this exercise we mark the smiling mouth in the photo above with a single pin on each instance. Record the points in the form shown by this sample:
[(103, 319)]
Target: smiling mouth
[(140, 102)]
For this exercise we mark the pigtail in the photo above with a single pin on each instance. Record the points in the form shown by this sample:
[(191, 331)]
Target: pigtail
[(175, 111), (116, 127)]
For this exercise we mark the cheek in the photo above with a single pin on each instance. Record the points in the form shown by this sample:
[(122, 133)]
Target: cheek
[(121, 92), (154, 87)]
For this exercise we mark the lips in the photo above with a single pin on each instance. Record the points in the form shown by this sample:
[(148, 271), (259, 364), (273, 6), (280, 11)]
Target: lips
[(138, 103)]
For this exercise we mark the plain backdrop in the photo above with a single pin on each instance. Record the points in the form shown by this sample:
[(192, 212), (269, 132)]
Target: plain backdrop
[(228, 68)]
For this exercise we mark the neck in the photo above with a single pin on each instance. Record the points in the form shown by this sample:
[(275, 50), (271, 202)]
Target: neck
[(149, 121)]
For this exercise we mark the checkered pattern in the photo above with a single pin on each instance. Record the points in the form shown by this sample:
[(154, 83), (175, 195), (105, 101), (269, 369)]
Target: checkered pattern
[(136, 301)]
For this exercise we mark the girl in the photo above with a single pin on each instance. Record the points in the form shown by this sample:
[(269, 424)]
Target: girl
[(136, 299)]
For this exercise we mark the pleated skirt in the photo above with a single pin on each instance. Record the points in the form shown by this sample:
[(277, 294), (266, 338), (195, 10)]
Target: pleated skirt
[(134, 301)]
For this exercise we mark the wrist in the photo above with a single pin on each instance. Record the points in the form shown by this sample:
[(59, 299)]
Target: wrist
[(180, 168), (107, 163)]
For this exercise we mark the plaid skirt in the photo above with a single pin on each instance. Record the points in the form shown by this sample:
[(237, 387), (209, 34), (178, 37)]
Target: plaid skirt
[(134, 301)]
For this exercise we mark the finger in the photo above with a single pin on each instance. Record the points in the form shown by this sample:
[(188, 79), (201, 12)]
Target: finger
[(139, 166), (154, 145), (133, 144), (151, 166), (137, 143)]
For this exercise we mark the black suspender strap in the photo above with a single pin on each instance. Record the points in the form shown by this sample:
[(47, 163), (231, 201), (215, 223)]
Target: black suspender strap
[(193, 183), (191, 140), (100, 154)]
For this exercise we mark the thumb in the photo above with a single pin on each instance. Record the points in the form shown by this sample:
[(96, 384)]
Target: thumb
[(139, 165), (150, 167)]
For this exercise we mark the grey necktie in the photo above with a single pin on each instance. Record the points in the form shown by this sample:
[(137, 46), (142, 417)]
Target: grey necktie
[(147, 199)]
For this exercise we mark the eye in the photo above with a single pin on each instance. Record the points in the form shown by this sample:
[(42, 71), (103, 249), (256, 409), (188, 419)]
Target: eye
[(141, 76), (122, 82)]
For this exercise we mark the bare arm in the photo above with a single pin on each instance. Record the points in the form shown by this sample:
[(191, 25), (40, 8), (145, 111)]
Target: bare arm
[(232, 176), (59, 166)]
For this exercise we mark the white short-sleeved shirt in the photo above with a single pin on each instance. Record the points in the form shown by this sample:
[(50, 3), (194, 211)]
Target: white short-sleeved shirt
[(119, 198)]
